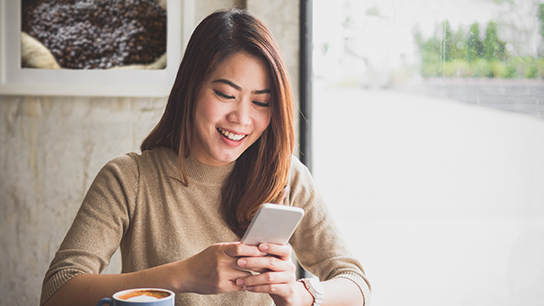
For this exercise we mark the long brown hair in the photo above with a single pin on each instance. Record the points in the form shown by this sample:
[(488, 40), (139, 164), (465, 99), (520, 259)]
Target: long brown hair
[(261, 172)]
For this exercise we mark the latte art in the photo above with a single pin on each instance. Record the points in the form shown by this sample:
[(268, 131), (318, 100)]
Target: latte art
[(147, 295), (142, 298)]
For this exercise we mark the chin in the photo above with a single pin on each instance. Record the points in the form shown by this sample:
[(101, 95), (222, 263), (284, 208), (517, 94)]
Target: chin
[(230, 160)]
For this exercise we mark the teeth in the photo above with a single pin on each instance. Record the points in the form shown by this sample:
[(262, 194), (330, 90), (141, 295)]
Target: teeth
[(231, 136)]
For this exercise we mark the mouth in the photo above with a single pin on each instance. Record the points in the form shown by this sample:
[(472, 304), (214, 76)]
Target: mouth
[(231, 136)]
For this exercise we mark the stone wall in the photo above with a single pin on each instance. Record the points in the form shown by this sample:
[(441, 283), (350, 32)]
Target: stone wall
[(52, 147)]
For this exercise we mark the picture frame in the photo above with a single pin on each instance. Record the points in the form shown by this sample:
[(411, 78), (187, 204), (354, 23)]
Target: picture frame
[(15, 80)]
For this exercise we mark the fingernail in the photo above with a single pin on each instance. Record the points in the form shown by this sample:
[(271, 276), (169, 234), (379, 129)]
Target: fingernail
[(264, 247), (242, 262), (240, 282)]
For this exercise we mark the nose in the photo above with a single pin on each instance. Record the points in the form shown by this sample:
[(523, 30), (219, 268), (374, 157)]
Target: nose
[(241, 113)]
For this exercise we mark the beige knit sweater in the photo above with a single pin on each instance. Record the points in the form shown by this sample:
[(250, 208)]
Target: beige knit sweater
[(138, 202)]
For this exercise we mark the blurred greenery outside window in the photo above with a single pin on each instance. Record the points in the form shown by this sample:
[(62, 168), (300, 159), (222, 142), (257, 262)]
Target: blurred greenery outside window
[(467, 53), (479, 52), (388, 42)]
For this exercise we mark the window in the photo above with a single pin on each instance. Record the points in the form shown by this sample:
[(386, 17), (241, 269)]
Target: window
[(428, 145)]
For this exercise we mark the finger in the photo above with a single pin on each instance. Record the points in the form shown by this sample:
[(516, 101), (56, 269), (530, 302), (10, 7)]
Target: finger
[(265, 264), (267, 278), (227, 265), (278, 259), (237, 249), (235, 280), (281, 251), (253, 267), (283, 289)]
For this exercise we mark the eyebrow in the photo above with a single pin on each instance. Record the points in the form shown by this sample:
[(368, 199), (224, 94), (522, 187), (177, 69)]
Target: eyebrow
[(231, 84)]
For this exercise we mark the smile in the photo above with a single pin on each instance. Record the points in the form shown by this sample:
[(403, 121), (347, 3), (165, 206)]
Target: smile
[(231, 136)]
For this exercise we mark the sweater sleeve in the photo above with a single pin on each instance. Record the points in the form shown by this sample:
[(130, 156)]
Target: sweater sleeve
[(98, 227), (318, 244)]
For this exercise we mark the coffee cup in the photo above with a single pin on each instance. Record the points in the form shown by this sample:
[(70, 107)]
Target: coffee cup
[(140, 297)]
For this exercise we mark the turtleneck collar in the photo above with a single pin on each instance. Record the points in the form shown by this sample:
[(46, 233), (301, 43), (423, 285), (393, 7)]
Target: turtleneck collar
[(196, 171), (203, 173)]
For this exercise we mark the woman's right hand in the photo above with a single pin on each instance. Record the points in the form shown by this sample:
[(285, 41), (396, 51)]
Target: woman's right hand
[(212, 271), (215, 269)]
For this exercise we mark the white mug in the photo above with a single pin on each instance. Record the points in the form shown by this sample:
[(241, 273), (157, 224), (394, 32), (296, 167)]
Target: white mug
[(140, 297)]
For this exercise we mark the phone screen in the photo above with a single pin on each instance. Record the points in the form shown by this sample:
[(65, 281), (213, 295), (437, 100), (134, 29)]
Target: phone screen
[(273, 223)]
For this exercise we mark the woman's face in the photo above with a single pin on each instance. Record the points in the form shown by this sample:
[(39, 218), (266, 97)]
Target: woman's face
[(232, 110)]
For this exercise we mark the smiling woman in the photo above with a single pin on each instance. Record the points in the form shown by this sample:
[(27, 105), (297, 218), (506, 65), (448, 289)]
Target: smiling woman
[(260, 174), (177, 211)]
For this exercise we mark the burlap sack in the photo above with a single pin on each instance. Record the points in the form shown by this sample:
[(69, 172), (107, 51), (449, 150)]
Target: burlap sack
[(35, 55)]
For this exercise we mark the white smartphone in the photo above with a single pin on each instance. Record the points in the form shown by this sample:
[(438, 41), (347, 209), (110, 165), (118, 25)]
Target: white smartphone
[(273, 223)]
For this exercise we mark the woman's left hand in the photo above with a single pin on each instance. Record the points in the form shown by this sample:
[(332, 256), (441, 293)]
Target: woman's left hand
[(277, 276)]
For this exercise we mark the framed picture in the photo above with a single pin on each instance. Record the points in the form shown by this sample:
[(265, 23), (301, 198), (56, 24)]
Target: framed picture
[(107, 75)]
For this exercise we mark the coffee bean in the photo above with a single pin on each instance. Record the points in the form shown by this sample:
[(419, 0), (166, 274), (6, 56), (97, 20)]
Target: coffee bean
[(121, 32)]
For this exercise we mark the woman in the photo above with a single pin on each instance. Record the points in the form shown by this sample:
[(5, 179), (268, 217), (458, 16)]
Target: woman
[(177, 210)]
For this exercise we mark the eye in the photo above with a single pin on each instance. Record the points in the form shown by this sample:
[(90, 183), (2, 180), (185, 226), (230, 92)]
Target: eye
[(263, 104), (223, 95)]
